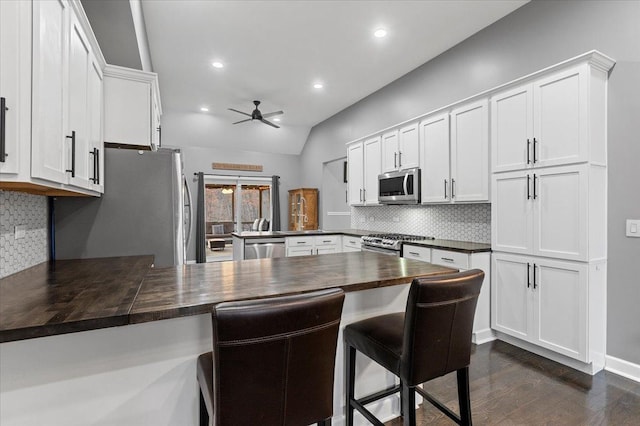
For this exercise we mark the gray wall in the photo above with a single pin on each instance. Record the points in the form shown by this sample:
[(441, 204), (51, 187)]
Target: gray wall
[(539, 34), (182, 131)]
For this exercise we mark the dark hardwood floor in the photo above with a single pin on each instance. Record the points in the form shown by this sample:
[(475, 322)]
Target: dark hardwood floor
[(510, 386)]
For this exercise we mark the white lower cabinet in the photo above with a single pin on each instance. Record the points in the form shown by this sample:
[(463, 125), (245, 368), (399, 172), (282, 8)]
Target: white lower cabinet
[(462, 261), (550, 303), (312, 245), (350, 243)]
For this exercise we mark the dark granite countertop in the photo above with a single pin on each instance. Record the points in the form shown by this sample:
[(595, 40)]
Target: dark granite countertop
[(78, 295), (461, 246)]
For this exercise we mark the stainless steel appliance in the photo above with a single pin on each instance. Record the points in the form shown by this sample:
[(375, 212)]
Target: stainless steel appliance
[(145, 209), (401, 187), (261, 248), (390, 244)]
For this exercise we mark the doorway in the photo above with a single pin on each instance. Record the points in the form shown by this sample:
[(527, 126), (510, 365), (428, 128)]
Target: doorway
[(336, 213), (233, 205)]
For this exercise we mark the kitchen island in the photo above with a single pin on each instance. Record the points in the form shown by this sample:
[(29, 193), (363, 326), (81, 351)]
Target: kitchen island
[(128, 367)]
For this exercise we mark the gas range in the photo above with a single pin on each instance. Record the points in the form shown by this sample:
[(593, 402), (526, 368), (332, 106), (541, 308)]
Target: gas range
[(391, 242)]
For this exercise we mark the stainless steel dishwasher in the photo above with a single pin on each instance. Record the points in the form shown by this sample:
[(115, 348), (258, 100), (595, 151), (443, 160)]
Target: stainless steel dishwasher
[(261, 248)]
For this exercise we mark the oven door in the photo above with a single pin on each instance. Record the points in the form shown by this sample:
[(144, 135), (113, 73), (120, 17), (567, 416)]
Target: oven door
[(388, 252)]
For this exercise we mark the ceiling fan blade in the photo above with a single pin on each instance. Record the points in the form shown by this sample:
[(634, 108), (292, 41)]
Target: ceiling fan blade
[(240, 112), (242, 121), (271, 114), (270, 123)]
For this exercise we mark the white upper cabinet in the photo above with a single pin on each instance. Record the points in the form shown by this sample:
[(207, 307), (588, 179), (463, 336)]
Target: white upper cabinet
[(96, 145), (54, 124), (470, 152), (131, 107), (355, 173), (554, 120), (15, 86), (401, 149), (51, 145), (372, 169), (434, 166), (390, 151)]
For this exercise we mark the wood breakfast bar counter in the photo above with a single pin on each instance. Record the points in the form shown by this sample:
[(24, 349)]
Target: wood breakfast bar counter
[(84, 344)]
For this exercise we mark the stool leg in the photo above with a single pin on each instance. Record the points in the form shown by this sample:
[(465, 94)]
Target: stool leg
[(408, 397), (350, 375), (401, 400), (325, 422), (204, 415), (464, 398)]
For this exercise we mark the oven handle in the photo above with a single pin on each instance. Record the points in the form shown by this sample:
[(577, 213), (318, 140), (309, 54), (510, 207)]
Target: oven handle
[(388, 252), (406, 178)]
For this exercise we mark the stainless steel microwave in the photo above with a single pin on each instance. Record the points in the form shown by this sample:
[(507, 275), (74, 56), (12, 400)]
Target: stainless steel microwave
[(401, 187)]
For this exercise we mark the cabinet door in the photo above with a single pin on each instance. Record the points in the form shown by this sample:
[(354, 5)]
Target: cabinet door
[(127, 111), (390, 151), (560, 112), (512, 129), (408, 147), (470, 152), (512, 212), (15, 82), (560, 212), (560, 307), (327, 249), (300, 251), (96, 144), (50, 86), (510, 295), (434, 135), (78, 152), (355, 172), (372, 169)]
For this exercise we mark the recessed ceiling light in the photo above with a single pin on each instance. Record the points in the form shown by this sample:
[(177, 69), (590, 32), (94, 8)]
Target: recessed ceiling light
[(218, 64), (276, 119), (318, 85), (204, 109), (380, 32)]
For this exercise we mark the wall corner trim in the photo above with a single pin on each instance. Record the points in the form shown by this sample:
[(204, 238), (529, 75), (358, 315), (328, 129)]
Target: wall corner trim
[(622, 368)]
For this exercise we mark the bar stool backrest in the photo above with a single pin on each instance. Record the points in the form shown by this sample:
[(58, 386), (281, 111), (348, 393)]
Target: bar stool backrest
[(274, 359), (438, 325)]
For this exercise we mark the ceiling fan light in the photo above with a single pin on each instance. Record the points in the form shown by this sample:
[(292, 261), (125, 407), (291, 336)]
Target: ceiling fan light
[(276, 119)]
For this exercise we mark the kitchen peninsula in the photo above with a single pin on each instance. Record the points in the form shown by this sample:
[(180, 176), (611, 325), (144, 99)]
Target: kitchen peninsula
[(126, 366)]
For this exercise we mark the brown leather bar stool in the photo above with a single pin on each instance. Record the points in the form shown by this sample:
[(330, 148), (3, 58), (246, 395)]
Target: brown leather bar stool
[(273, 361), (432, 338)]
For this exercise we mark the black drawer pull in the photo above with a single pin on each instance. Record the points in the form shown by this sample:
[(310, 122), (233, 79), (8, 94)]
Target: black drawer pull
[(73, 154), (448, 259), (414, 253)]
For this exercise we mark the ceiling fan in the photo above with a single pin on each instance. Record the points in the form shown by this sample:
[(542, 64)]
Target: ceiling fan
[(257, 115)]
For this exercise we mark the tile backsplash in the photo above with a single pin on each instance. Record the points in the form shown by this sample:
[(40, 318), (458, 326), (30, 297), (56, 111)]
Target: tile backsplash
[(17, 208), (461, 222)]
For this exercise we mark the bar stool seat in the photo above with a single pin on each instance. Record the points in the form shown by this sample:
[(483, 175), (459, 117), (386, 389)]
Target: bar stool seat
[(431, 339), (273, 361)]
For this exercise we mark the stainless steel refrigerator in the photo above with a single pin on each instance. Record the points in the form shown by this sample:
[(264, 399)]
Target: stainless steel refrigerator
[(145, 209)]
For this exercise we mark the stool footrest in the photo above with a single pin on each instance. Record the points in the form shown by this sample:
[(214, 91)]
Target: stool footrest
[(440, 406)]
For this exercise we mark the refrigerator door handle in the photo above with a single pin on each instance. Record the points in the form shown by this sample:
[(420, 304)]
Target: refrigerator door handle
[(189, 203)]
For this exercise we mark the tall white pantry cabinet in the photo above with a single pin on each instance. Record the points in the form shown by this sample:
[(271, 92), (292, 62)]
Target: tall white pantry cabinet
[(548, 216)]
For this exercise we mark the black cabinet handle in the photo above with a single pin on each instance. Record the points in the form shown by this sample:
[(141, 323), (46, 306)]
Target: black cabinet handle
[(159, 136), (395, 159), (445, 189), (414, 253), (528, 275), (448, 259), (535, 158), (528, 149), (96, 165), (534, 276), (528, 187), (399, 159), (453, 183), (73, 154), (3, 129), (535, 178)]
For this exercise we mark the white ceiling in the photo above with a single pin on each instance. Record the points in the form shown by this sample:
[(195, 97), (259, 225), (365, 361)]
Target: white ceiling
[(274, 51)]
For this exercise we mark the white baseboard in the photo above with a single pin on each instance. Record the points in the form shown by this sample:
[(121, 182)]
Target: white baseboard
[(483, 336), (622, 368)]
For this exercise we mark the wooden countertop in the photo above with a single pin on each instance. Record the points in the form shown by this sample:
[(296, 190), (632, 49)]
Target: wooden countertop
[(79, 295)]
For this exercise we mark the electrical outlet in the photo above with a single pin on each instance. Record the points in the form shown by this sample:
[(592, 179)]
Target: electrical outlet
[(20, 231), (633, 228)]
